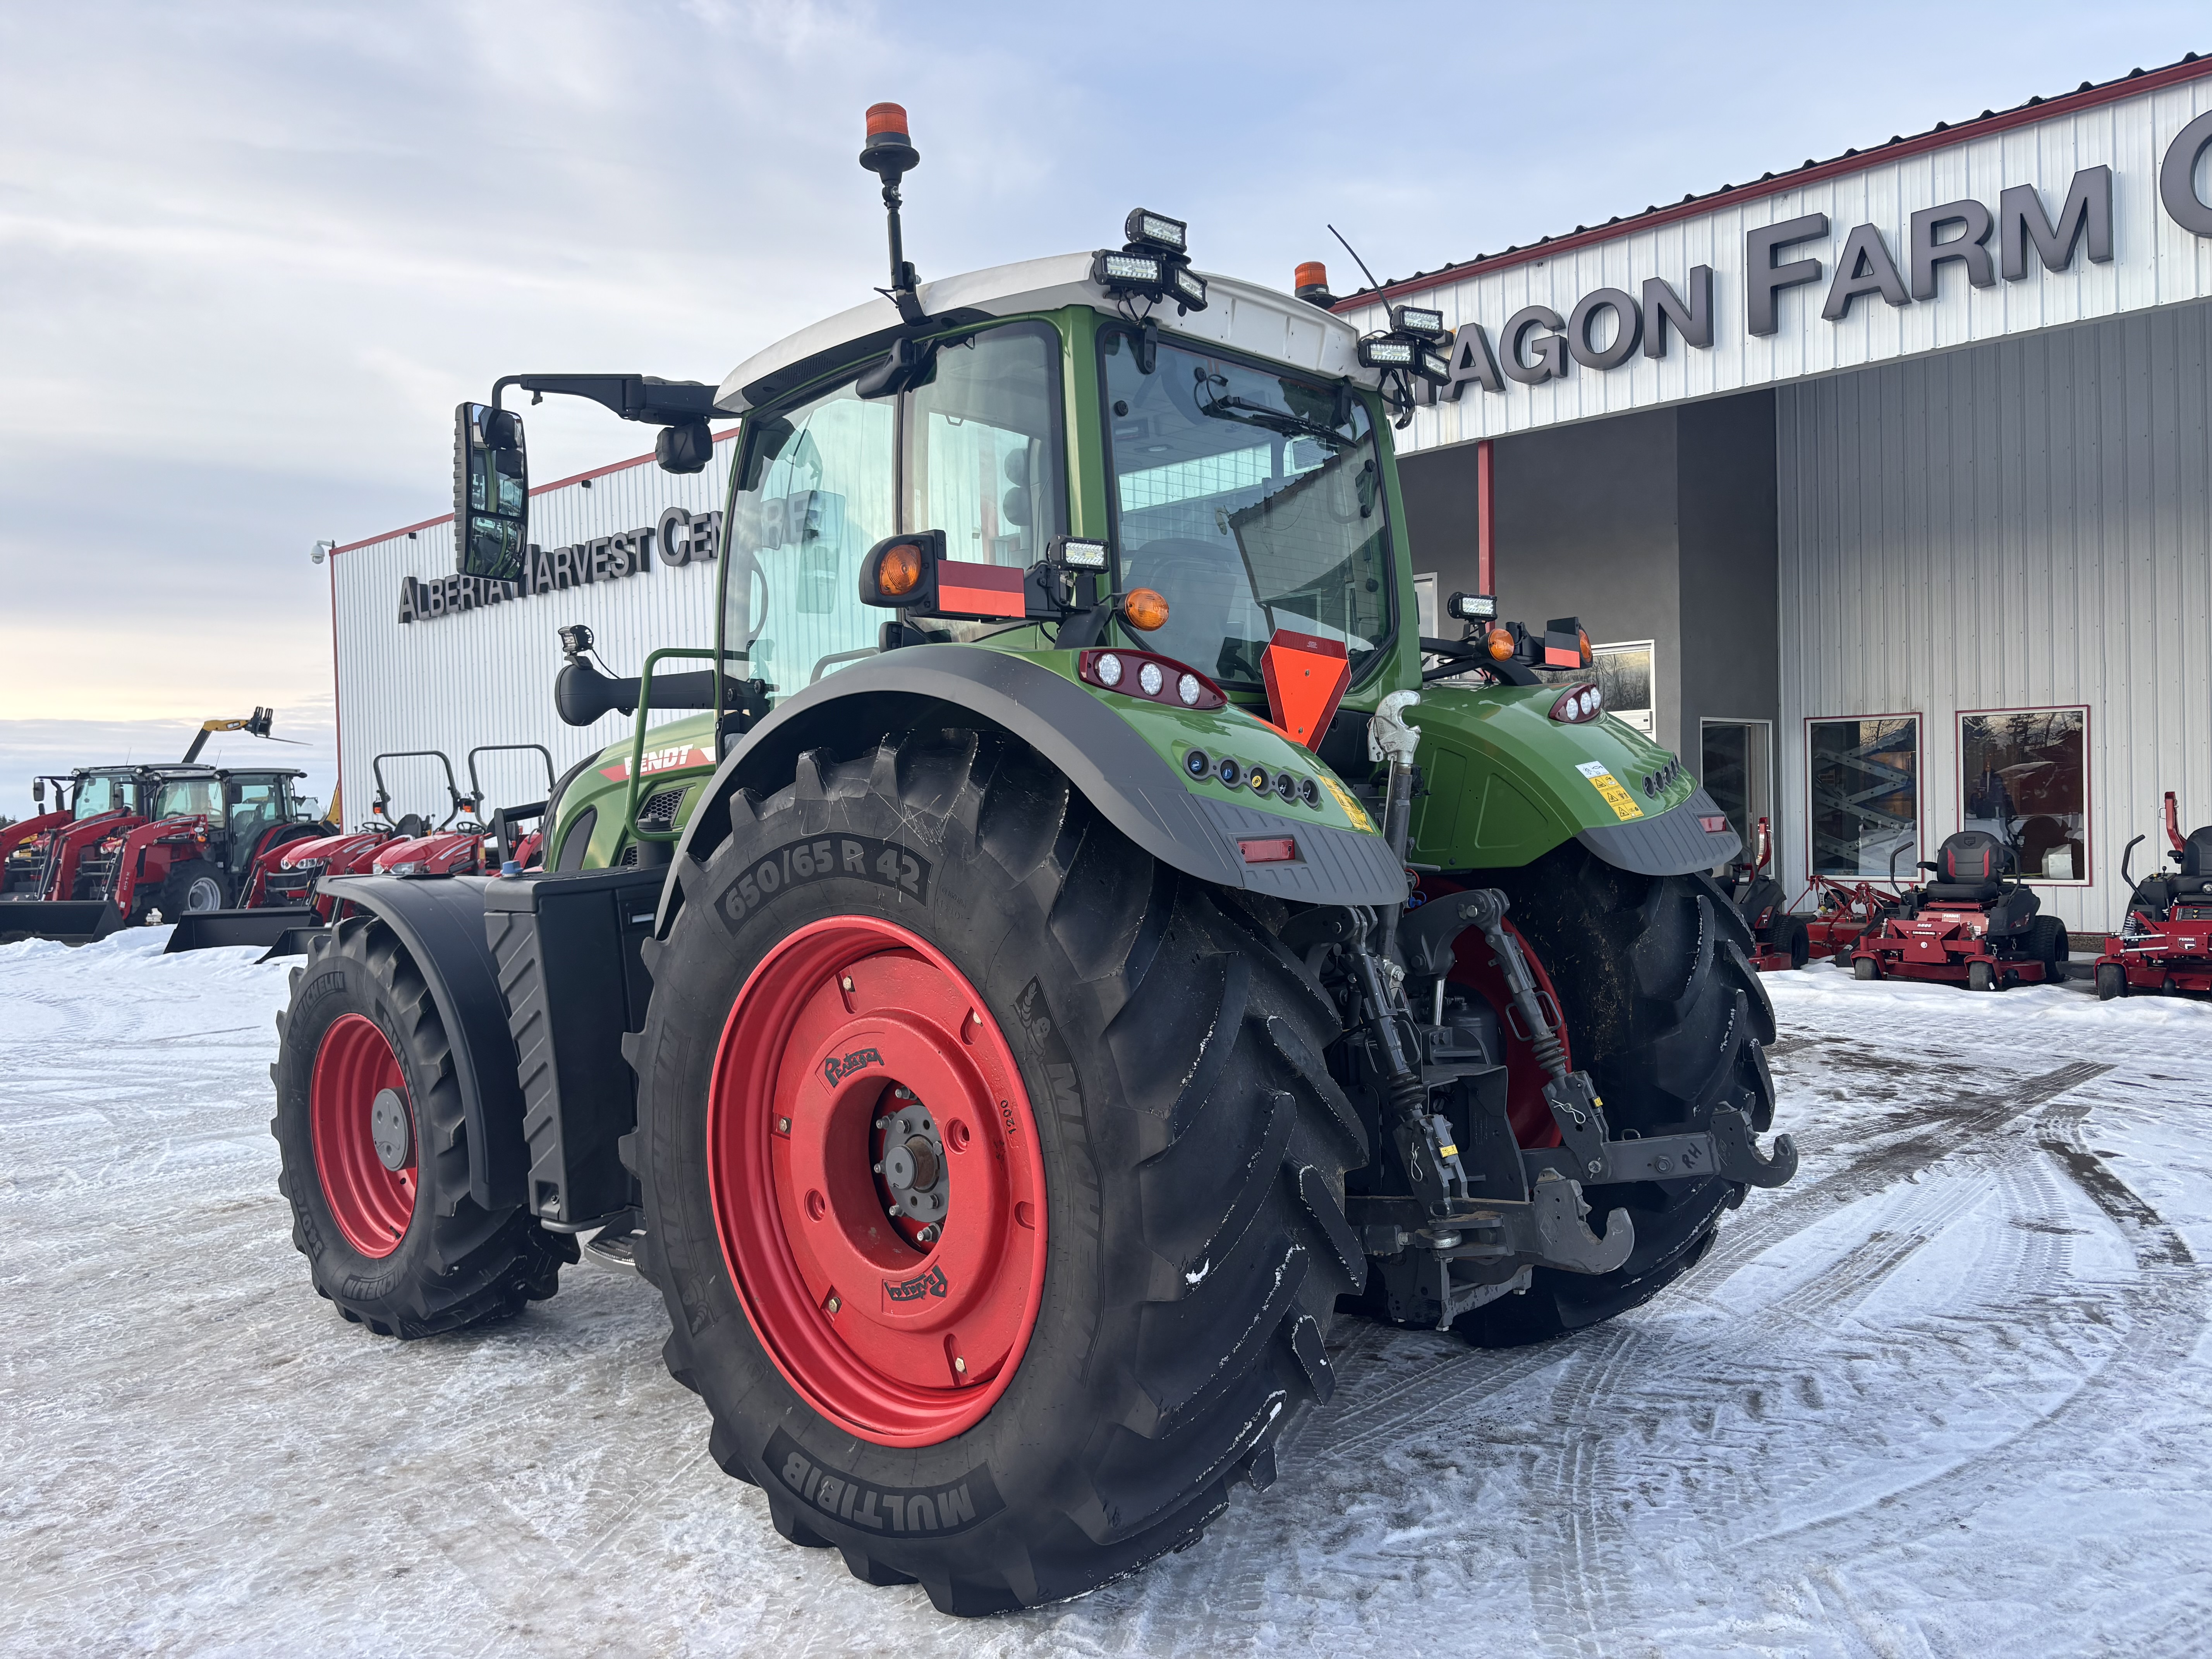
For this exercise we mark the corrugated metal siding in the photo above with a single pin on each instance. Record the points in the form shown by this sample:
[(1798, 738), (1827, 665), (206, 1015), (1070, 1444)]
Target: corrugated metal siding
[(457, 682), (2022, 524), (2155, 263)]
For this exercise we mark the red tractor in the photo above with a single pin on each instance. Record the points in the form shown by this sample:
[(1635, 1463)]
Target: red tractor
[(199, 845), (2166, 943), (46, 855), (1969, 925)]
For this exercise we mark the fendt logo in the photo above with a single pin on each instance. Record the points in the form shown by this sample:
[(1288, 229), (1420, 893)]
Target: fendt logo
[(835, 1070)]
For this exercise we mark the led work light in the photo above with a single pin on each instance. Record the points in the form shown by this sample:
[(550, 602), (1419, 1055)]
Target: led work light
[(1421, 321)]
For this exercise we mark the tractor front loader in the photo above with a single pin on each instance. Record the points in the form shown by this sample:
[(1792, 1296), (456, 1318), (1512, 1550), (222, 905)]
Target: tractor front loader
[(1060, 952)]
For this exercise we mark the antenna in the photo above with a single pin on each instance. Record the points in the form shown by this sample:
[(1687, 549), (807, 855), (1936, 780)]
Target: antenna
[(890, 155), (1355, 259)]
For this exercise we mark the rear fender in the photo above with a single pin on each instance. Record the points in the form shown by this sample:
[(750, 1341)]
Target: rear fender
[(441, 920), (1506, 784)]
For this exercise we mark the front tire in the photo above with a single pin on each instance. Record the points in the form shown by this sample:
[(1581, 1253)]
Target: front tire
[(2111, 981), (1663, 1009), (194, 886), (1145, 1073), (375, 1153)]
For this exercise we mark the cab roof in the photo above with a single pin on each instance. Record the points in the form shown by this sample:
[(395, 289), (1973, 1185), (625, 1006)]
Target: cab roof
[(1243, 316)]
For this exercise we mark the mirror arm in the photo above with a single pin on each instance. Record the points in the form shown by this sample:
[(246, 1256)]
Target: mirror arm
[(644, 397)]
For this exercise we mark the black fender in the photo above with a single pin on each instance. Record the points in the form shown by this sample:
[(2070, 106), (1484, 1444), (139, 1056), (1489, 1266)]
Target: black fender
[(1100, 755), (441, 920)]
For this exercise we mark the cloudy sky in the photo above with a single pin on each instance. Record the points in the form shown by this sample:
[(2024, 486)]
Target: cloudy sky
[(251, 256)]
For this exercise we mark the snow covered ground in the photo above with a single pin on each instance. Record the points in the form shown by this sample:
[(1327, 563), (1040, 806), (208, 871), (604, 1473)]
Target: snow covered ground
[(1947, 1393)]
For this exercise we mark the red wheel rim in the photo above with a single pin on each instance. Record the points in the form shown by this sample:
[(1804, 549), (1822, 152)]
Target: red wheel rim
[(371, 1204), (900, 1338)]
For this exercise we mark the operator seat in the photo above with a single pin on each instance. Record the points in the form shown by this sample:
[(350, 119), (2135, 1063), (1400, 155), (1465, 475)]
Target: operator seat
[(2196, 877), (1969, 869)]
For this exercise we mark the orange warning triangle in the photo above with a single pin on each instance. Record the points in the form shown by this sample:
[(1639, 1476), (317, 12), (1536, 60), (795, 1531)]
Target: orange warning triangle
[(1305, 677)]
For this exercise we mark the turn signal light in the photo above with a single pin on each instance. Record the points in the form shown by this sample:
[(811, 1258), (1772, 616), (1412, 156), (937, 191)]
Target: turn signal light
[(900, 572), (1144, 609), (1582, 636), (1500, 643)]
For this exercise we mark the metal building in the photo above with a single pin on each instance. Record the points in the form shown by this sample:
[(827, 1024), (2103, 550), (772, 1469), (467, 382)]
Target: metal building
[(1888, 478), (428, 661)]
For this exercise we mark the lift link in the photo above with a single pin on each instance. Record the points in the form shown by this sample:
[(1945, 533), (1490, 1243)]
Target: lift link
[(1443, 1216), (1588, 1151)]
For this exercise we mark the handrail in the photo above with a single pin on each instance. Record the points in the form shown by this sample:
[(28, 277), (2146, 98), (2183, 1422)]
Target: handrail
[(630, 824)]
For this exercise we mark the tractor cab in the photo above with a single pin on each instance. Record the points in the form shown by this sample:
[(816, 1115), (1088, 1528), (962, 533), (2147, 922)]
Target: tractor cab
[(1974, 923)]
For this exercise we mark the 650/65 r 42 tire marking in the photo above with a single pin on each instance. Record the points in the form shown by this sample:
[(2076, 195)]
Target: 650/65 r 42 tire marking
[(851, 1024)]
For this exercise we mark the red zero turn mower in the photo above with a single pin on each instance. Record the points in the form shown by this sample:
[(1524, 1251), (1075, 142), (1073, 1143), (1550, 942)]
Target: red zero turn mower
[(1782, 938), (1844, 912), (2166, 943), (1969, 925)]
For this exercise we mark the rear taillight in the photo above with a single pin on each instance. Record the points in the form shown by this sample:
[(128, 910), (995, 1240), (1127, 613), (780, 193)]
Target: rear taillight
[(1579, 703)]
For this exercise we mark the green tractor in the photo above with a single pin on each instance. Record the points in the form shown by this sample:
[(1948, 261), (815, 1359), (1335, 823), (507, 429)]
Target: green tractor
[(1084, 937)]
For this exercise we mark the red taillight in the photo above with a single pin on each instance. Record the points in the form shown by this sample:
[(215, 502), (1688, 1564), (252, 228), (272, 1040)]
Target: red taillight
[(1712, 823), (1274, 850), (1579, 703), (1145, 674)]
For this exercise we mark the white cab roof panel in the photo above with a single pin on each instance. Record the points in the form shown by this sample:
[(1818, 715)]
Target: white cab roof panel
[(1241, 315)]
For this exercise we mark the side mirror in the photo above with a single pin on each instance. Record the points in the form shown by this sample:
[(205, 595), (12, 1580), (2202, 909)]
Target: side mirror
[(686, 447), (491, 493), (39, 791)]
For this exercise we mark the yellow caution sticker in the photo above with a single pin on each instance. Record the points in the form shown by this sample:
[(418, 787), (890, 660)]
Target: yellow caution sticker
[(1352, 809), (1623, 804)]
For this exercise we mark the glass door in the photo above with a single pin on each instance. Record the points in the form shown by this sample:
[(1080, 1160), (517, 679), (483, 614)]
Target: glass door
[(1738, 772)]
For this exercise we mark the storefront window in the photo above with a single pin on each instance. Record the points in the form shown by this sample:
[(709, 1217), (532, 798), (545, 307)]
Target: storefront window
[(1864, 795), (2024, 776)]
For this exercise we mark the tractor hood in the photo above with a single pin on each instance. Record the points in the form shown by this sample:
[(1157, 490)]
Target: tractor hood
[(1262, 321)]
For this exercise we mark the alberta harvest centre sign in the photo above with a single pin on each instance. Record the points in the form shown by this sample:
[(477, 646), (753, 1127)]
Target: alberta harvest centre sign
[(678, 538)]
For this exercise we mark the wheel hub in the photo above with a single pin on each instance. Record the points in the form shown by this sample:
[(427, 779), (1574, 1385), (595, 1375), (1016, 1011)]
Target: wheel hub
[(913, 1164), (877, 1181), (389, 1131)]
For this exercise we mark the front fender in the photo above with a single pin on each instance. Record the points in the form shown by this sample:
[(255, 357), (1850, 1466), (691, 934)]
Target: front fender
[(441, 920), (1506, 783), (1129, 775)]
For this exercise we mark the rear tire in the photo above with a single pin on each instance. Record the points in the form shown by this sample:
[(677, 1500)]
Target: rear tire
[(1791, 939), (1665, 1012), (2048, 944), (2111, 981), (407, 1253), (1193, 1150)]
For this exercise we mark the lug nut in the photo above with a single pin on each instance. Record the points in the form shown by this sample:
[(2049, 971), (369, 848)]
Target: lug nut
[(960, 1365), (833, 1304), (846, 983), (928, 1234), (783, 1126)]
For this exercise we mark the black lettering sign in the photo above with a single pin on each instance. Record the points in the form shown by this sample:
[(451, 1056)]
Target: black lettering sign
[(862, 857), (921, 1511)]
